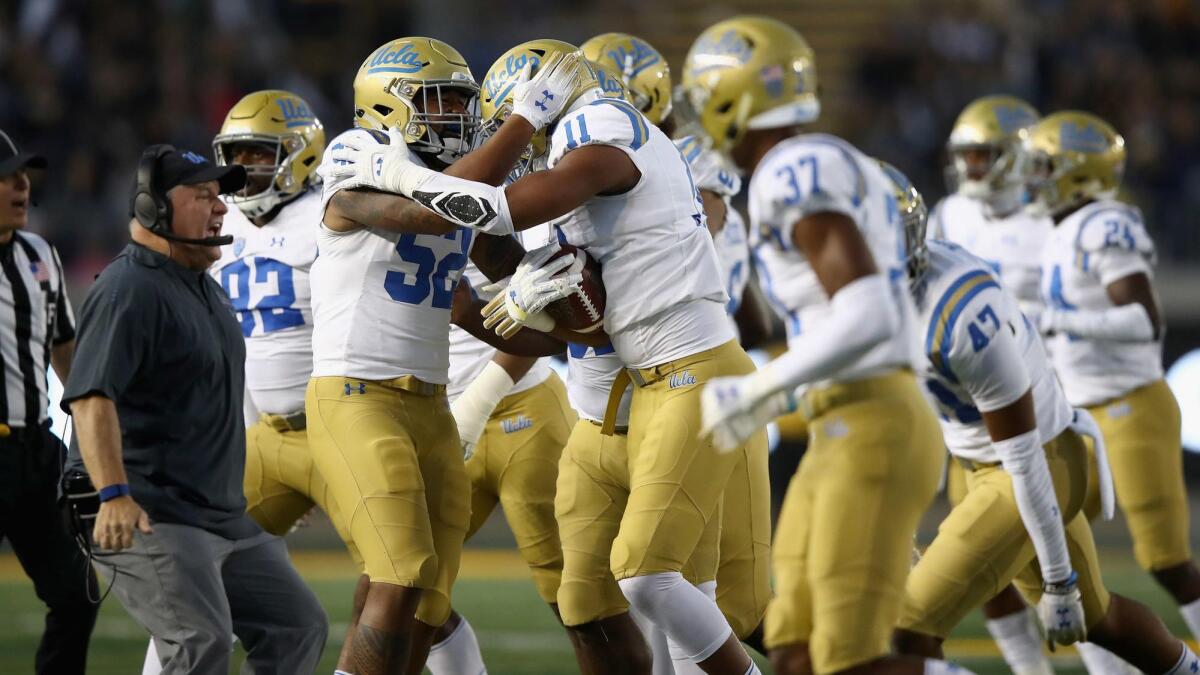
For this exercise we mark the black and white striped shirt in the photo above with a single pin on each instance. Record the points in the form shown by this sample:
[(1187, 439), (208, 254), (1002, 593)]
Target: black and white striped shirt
[(35, 315)]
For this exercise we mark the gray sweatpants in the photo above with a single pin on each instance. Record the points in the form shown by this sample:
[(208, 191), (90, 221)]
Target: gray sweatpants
[(193, 590)]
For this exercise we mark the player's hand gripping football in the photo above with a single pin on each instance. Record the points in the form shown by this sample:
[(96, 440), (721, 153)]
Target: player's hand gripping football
[(540, 279), (1061, 612), (540, 99), (733, 408)]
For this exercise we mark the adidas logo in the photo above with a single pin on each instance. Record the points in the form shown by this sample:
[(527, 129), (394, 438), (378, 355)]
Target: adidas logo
[(683, 379), (516, 424)]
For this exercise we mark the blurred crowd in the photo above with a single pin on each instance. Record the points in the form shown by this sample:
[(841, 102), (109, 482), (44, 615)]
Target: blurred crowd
[(89, 82)]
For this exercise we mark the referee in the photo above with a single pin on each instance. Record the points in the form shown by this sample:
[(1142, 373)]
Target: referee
[(37, 329)]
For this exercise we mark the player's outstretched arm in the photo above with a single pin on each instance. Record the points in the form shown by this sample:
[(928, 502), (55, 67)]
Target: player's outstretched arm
[(1135, 317)]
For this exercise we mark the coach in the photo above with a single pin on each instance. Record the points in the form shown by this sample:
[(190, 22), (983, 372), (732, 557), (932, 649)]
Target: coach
[(37, 330), (156, 393)]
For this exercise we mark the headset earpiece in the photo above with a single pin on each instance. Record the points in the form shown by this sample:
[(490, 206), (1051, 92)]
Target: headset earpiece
[(152, 209)]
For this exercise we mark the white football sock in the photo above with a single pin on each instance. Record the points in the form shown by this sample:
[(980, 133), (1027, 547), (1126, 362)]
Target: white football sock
[(1020, 642), (753, 669), (682, 611), (1191, 616), (1188, 664), (935, 667), (152, 665), (458, 654), (1099, 661), (657, 640)]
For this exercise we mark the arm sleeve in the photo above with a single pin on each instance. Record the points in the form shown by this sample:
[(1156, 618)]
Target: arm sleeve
[(801, 179), (64, 320), (1033, 487), (118, 324)]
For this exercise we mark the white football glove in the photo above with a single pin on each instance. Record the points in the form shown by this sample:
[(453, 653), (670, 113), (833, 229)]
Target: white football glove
[(537, 282), (542, 98), (733, 408), (1061, 612), (384, 167)]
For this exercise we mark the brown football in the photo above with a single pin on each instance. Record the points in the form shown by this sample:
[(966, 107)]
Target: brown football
[(582, 312)]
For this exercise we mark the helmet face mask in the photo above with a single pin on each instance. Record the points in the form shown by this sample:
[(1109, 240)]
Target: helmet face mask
[(405, 83), (914, 215), (281, 126)]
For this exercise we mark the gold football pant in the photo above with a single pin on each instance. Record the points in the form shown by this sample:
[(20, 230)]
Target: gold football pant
[(516, 465), (676, 477), (983, 545), (1142, 435), (282, 482), (744, 571), (391, 456), (593, 487), (843, 544)]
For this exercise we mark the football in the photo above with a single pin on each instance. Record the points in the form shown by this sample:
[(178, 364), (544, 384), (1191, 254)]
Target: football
[(584, 311)]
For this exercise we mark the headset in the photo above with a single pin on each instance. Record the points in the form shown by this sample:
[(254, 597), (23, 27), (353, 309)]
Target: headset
[(152, 209)]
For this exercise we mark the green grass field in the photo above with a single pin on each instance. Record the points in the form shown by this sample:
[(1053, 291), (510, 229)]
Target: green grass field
[(518, 634)]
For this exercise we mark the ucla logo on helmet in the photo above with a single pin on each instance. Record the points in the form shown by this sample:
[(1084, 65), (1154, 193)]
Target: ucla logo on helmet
[(1013, 117), (501, 80), (405, 59), (637, 59), (727, 50), (295, 112), (608, 84), (1076, 138)]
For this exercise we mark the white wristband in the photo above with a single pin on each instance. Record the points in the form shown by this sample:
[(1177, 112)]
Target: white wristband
[(475, 405), (1025, 460)]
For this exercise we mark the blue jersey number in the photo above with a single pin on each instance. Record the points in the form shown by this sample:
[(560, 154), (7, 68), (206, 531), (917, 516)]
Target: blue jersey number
[(274, 312), (979, 339), (569, 127), (1117, 234), (433, 276), (794, 176)]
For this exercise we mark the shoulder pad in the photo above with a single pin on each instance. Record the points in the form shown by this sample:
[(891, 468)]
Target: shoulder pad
[(605, 121), (1112, 225), (709, 172)]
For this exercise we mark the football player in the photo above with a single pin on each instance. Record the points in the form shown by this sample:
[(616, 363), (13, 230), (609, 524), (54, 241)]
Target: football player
[(1007, 422), (836, 257), (265, 271), (1097, 271), (623, 192), (379, 424), (985, 216), (742, 583)]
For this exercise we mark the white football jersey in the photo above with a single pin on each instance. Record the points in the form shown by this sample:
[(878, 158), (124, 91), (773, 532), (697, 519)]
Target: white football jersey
[(381, 300), (265, 271), (1090, 249), (811, 173), (1012, 245), (665, 298), (964, 313), (468, 355), (733, 252), (590, 375)]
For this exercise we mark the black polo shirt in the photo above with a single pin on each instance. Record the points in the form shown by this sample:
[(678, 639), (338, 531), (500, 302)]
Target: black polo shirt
[(161, 341)]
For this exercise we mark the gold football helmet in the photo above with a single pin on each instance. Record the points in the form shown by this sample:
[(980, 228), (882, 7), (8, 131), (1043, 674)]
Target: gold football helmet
[(284, 124), (1071, 157), (750, 72), (915, 216), (404, 84), (506, 73), (641, 67), (989, 125), (611, 82)]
